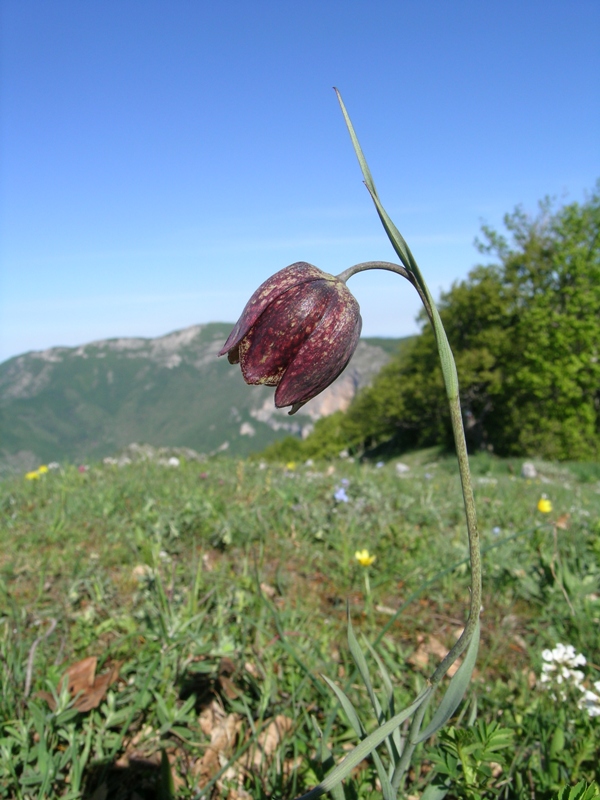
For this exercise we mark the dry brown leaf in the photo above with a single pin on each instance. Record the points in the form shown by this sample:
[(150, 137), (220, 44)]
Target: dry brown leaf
[(431, 647), (226, 669), (562, 522), (47, 697), (90, 696), (228, 687), (208, 562), (268, 590), (520, 642), (252, 669), (239, 794), (173, 756), (267, 743), (83, 684), (223, 730), (290, 764), (138, 758), (80, 676), (210, 717), (143, 748), (386, 610)]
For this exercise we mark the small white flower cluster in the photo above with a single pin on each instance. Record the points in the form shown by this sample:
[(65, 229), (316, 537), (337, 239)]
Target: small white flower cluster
[(560, 670)]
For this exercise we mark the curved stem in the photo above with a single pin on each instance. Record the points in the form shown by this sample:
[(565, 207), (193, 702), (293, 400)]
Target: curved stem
[(465, 476), (390, 267)]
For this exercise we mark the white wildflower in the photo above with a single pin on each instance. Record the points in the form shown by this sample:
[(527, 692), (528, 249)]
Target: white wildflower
[(590, 701), (559, 670)]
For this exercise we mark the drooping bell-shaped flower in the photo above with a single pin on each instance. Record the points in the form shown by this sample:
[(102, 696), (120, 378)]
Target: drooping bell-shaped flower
[(297, 332)]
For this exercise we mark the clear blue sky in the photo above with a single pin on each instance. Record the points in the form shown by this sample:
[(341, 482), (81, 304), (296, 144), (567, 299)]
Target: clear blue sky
[(160, 159)]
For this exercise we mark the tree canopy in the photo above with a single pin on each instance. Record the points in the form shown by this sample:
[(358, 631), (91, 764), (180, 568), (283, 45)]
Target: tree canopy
[(525, 331)]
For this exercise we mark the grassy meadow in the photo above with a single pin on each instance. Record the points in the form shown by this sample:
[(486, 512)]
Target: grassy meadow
[(164, 630)]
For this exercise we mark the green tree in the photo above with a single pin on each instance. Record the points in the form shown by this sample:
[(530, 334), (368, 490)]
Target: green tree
[(525, 331)]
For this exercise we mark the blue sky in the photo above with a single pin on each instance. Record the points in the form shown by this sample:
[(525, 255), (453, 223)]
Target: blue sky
[(160, 159)]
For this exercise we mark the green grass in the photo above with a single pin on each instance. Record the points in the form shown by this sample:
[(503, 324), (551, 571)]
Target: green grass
[(227, 583)]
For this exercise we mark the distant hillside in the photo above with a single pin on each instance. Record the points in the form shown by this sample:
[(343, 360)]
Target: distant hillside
[(84, 403)]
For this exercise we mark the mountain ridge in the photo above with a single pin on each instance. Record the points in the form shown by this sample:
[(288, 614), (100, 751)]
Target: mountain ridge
[(90, 401)]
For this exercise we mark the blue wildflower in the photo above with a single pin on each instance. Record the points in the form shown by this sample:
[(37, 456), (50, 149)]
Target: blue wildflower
[(340, 495)]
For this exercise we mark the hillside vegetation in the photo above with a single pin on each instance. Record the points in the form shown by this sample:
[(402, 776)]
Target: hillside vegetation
[(82, 403), (525, 331)]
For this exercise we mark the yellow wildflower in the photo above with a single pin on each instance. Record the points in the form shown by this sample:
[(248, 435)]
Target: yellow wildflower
[(363, 558), (32, 476), (544, 505), (291, 465), (42, 469)]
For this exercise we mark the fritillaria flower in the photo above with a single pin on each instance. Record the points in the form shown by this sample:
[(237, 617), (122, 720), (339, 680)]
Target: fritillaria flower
[(297, 332)]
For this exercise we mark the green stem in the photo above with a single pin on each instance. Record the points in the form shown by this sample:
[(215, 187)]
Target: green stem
[(463, 467), (388, 265), (367, 584)]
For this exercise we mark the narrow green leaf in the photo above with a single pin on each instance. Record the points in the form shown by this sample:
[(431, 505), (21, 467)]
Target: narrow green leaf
[(385, 675), (365, 748), (326, 757), (408, 260), (357, 148), (397, 241), (395, 742), (166, 787), (346, 704), (361, 663), (456, 689), (350, 711), (473, 711)]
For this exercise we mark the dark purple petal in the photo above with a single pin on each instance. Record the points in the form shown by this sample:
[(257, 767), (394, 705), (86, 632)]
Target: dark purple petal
[(281, 330), (294, 275), (325, 354)]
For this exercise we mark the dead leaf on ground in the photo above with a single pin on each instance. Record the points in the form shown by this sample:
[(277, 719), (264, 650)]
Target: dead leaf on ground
[(83, 684), (431, 647), (562, 522), (268, 742), (252, 669), (223, 730), (228, 687), (226, 670), (142, 749)]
